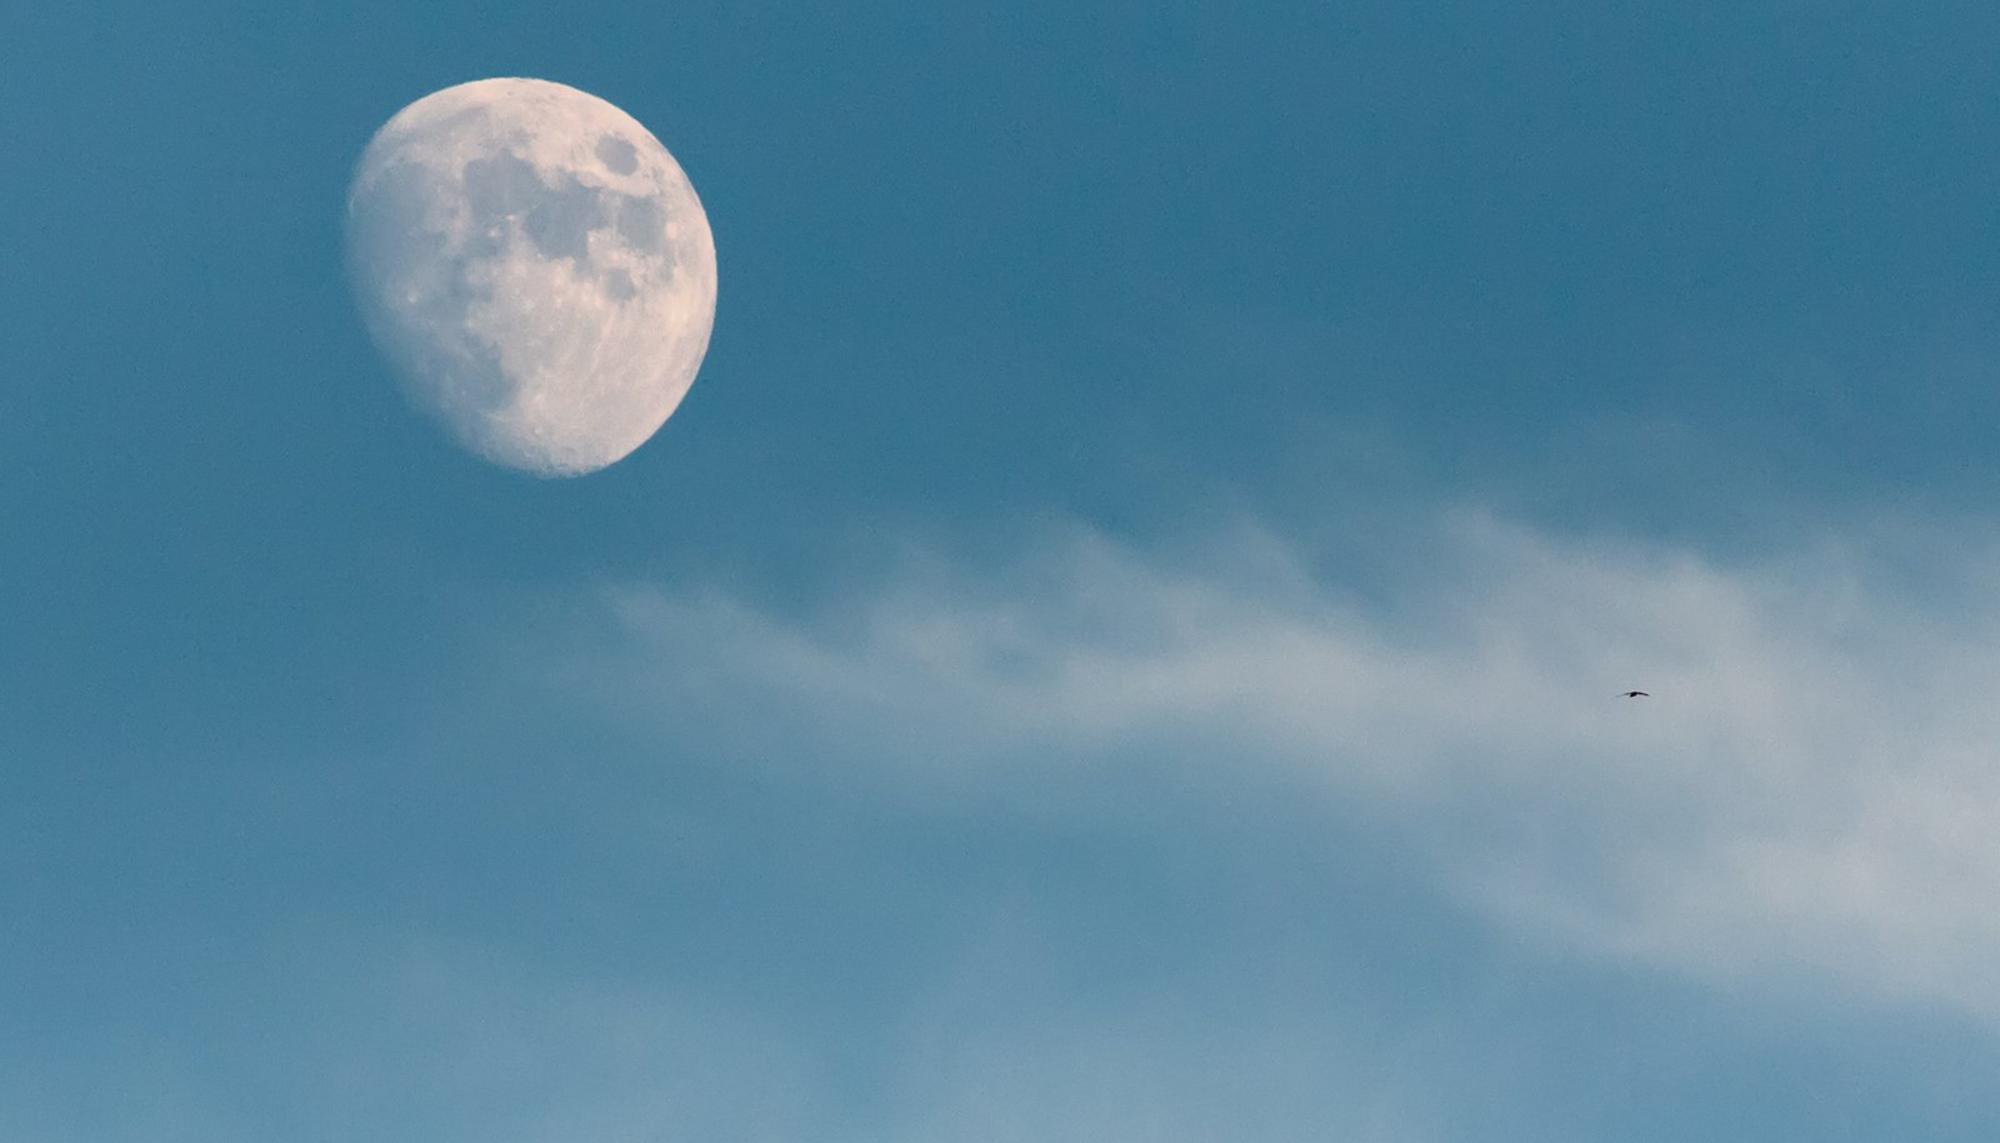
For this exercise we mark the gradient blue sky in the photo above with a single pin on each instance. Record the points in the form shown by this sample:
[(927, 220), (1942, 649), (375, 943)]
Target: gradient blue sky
[(1118, 643)]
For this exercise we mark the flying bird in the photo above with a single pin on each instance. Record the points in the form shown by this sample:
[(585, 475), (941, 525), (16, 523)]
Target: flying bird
[(1635, 694)]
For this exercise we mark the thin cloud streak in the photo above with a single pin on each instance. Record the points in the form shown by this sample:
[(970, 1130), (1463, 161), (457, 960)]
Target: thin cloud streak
[(1808, 795)]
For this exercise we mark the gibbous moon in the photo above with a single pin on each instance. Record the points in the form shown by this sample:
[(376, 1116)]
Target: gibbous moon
[(536, 267)]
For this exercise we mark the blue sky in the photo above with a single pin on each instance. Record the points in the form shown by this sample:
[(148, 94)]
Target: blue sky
[(1118, 642)]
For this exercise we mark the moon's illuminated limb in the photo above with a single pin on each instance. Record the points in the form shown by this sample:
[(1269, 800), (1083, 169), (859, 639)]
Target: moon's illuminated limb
[(536, 266)]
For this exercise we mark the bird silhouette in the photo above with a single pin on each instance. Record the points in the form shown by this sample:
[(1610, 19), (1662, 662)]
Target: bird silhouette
[(1635, 694)]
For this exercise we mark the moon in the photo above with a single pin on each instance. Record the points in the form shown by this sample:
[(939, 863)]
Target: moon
[(537, 269)]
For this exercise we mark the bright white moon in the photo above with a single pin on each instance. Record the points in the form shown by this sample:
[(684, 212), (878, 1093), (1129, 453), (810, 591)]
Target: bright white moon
[(537, 268)]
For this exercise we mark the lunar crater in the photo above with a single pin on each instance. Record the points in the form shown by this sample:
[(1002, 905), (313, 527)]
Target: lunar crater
[(617, 154)]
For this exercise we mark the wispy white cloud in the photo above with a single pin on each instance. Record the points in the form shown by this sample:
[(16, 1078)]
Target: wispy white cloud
[(1806, 801), (1811, 792)]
